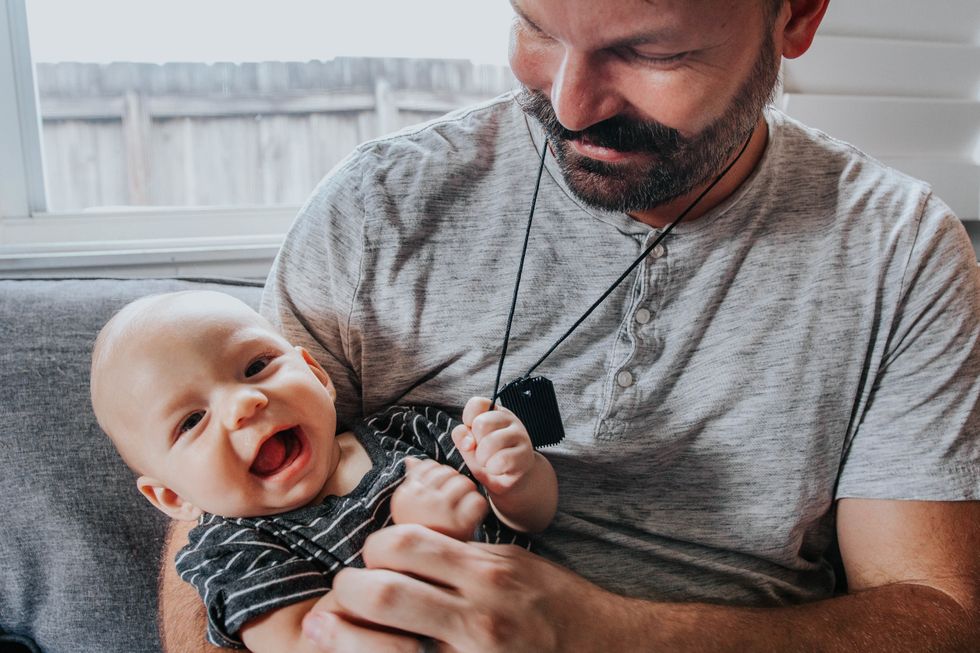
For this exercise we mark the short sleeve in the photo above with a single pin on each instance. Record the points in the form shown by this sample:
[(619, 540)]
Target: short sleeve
[(310, 292), (918, 437), (241, 573), (416, 431)]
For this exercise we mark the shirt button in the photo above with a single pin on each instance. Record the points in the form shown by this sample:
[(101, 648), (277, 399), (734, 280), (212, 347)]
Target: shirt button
[(624, 379), (642, 316), (659, 251)]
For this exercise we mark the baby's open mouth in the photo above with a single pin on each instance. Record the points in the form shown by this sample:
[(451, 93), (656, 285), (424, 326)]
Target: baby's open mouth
[(277, 453)]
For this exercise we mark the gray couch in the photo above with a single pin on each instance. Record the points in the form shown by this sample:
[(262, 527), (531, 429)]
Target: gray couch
[(79, 548)]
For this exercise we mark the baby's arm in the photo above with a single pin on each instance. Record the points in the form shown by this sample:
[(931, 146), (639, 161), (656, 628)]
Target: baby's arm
[(521, 483), (254, 588), (280, 630)]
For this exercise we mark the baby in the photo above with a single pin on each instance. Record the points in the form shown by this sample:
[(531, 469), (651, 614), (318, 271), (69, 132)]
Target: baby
[(228, 424)]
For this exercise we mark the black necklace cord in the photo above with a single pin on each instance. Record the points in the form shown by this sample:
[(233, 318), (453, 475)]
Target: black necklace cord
[(595, 305), (520, 271), (642, 256)]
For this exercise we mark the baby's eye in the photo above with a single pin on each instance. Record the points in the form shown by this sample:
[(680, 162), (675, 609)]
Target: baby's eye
[(190, 422), (257, 366)]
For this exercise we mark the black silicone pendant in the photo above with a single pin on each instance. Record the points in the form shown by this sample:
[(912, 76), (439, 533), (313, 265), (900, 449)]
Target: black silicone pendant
[(533, 401)]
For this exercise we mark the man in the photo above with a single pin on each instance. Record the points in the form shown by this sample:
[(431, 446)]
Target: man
[(798, 362)]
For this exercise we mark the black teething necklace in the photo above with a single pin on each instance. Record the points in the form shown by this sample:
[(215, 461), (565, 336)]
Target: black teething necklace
[(533, 399)]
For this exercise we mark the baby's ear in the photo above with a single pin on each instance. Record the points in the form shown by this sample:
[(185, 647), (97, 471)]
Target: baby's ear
[(166, 500), (318, 372)]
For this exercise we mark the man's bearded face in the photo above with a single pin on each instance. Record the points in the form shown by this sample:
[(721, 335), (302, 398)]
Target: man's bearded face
[(672, 164)]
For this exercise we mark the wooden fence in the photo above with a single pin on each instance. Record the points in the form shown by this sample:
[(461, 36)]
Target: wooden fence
[(230, 134)]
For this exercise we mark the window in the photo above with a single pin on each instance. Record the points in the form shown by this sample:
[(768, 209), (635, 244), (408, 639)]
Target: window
[(198, 165), (168, 149)]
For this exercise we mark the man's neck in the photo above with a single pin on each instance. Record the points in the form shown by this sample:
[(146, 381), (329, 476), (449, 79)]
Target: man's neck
[(664, 214)]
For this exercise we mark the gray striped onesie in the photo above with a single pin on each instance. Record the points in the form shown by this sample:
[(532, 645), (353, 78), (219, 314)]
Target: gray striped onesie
[(245, 567)]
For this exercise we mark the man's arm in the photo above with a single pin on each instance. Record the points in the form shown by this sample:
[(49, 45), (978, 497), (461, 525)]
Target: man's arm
[(182, 619), (912, 568)]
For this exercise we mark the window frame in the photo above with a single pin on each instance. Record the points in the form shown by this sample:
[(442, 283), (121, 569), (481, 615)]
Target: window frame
[(21, 166), (230, 240)]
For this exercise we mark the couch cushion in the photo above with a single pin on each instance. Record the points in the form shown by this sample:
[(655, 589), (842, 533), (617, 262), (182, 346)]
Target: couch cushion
[(79, 547)]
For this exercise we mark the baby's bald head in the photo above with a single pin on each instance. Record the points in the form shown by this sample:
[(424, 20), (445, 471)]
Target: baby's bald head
[(142, 336)]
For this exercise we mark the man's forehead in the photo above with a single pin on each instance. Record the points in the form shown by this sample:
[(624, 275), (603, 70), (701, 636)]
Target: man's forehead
[(623, 22)]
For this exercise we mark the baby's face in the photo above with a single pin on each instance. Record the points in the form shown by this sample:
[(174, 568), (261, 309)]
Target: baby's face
[(218, 412)]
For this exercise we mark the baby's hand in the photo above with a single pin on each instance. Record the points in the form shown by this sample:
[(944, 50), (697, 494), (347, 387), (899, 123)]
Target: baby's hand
[(495, 445), (439, 497)]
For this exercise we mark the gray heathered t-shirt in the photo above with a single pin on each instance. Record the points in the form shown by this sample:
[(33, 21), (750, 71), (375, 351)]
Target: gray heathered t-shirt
[(814, 337)]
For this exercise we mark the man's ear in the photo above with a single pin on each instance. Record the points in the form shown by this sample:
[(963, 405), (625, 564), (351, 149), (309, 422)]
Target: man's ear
[(799, 28), (319, 372), (166, 500)]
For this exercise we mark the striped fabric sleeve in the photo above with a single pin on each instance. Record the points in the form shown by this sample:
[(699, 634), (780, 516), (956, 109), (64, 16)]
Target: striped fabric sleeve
[(241, 573), (419, 431)]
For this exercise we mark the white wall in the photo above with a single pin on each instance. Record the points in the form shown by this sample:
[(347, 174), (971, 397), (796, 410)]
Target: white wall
[(901, 80)]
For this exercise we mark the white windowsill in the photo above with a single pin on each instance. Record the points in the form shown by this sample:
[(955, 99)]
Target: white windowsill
[(145, 242)]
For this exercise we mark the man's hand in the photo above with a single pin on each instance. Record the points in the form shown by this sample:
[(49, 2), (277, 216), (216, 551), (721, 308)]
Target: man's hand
[(438, 497), (495, 446), (913, 567), (473, 598)]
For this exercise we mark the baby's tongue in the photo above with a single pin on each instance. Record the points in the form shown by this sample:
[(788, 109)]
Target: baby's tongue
[(271, 456)]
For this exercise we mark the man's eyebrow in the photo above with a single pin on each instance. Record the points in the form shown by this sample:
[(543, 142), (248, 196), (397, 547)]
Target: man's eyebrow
[(652, 37), (666, 34), (524, 16)]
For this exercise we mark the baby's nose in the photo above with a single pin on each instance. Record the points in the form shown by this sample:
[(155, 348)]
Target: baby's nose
[(244, 405)]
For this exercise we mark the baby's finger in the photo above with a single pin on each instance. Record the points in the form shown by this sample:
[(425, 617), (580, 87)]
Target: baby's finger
[(463, 439), (412, 465), (507, 439), (456, 488), (472, 509), (474, 407), (417, 468), (438, 475), (509, 461), (426, 472), (490, 421)]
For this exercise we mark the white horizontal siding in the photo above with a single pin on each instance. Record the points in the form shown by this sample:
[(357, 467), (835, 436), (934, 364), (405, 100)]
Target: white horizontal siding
[(956, 181), (843, 65), (892, 126), (900, 79), (949, 21)]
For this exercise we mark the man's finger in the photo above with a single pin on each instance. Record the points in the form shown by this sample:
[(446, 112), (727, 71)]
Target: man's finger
[(334, 634), (387, 598), (429, 555)]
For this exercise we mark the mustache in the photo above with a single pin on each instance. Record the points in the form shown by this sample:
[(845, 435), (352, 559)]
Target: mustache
[(619, 132)]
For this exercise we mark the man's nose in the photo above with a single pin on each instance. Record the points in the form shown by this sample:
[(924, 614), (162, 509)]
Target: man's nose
[(579, 94), (243, 404)]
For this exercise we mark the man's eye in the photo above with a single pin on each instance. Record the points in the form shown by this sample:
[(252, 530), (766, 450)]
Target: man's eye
[(190, 422), (257, 366), (532, 28), (663, 59)]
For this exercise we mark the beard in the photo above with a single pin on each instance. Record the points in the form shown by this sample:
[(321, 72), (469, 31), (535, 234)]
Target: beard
[(674, 166)]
